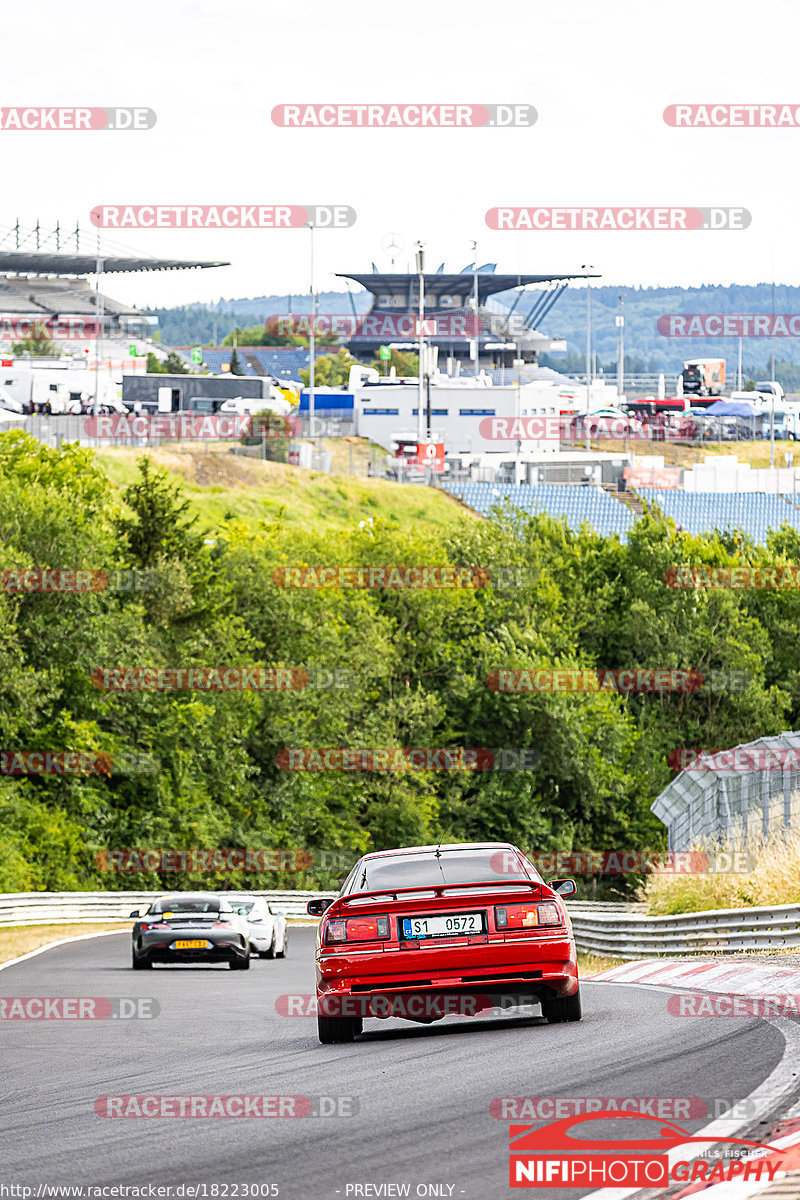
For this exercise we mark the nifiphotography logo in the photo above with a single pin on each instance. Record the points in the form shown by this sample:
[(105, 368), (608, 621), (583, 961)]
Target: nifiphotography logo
[(550, 1156)]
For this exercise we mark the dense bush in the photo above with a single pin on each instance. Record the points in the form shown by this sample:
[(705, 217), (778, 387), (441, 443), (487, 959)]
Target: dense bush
[(409, 669)]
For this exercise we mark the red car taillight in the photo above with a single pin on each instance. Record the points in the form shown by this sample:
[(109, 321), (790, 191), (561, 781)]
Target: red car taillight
[(526, 916), (357, 929), (156, 925)]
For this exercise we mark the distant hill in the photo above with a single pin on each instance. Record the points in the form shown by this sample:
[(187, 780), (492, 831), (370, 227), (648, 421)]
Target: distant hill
[(654, 352), (645, 348), (208, 324)]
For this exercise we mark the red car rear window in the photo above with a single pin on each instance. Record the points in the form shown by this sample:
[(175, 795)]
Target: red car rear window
[(426, 870)]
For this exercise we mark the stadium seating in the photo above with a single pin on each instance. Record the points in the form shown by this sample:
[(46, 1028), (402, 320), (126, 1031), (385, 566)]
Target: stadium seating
[(576, 505), (696, 512), (52, 295), (282, 364), (702, 512)]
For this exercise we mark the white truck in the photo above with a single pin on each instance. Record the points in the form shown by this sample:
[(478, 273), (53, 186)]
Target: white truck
[(65, 391)]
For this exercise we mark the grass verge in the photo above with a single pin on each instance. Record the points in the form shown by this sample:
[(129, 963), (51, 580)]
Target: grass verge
[(593, 964), (773, 878), (21, 939), (222, 487)]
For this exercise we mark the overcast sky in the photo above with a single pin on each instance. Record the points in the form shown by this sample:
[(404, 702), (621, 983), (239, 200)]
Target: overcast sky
[(599, 75)]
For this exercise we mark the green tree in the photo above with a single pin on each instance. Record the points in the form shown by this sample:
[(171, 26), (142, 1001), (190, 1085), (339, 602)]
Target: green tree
[(38, 347), (174, 364), (403, 362), (236, 366), (159, 526), (330, 370)]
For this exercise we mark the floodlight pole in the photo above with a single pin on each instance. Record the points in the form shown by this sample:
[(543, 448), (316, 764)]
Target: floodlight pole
[(421, 398), (99, 312), (475, 307), (772, 425), (588, 267), (311, 340), (621, 351)]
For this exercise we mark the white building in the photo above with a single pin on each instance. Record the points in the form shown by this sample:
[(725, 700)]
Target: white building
[(462, 413)]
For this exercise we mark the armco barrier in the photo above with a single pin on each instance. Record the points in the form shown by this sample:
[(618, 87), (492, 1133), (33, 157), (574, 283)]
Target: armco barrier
[(67, 908), (61, 908), (613, 930), (627, 935)]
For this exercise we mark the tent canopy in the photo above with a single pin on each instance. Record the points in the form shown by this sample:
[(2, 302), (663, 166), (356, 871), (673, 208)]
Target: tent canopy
[(731, 408)]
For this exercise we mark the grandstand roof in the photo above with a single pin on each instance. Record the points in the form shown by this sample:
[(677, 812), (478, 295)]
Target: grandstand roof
[(460, 284), (23, 262)]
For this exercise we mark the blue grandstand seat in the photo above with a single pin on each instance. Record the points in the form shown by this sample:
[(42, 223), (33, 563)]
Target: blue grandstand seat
[(755, 513), (576, 505)]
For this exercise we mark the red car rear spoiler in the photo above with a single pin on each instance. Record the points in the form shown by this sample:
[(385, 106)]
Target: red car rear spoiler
[(439, 889)]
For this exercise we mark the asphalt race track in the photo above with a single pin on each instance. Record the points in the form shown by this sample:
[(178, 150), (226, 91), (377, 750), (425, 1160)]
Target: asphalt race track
[(423, 1092)]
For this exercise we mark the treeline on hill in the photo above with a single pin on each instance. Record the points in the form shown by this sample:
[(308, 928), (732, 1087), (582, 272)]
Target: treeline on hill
[(646, 350), (209, 324), (413, 665)]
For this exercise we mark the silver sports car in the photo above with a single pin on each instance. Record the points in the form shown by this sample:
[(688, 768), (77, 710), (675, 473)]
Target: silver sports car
[(190, 927)]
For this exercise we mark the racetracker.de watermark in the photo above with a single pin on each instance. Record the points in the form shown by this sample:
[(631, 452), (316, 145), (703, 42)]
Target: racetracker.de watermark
[(623, 680), (190, 426), (53, 762), (753, 325), (738, 760), (734, 578), (223, 861), (662, 1108), (54, 329), (733, 116), (619, 219), (77, 119), (413, 1006), (377, 325), (555, 1108), (222, 216), (395, 759), (729, 1004), (569, 429), (31, 581), (199, 679), (78, 1008), (628, 862), (381, 578), (403, 116), (202, 1107)]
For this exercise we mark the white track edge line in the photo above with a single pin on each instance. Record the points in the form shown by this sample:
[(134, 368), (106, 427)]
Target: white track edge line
[(79, 937), (763, 1097)]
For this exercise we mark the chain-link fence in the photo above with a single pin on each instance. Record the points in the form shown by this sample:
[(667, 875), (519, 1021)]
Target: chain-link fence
[(153, 429), (729, 797)]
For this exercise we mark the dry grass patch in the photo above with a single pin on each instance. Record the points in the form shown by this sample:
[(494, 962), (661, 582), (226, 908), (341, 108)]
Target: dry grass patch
[(774, 880), (593, 964), (21, 939)]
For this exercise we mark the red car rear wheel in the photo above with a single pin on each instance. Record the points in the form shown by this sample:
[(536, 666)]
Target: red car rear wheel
[(338, 1029), (556, 1009)]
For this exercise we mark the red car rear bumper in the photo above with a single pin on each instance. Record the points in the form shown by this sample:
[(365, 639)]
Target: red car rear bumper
[(528, 967)]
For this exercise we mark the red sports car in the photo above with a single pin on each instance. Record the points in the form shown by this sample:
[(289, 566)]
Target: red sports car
[(431, 931)]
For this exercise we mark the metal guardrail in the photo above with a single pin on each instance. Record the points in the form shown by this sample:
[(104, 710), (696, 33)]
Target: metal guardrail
[(613, 930), (721, 931), (67, 908), (60, 908)]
